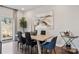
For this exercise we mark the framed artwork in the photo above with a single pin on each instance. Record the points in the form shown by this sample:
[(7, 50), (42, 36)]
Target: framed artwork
[(46, 18)]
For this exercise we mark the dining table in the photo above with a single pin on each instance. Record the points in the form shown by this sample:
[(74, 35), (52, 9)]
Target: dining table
[(39, 38)]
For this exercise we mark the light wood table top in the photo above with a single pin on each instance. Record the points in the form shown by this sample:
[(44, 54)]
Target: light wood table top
[(41, 37)]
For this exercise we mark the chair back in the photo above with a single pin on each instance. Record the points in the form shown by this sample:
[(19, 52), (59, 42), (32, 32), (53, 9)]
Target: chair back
[(28, 36), (43, 32), (34, 33), (52, 44), (19, 35), (21, 38)]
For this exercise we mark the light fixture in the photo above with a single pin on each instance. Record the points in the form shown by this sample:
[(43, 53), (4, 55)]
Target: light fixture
[(22, 9)]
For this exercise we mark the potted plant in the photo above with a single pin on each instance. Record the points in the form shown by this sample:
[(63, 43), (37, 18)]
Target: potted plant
[(23, 23)]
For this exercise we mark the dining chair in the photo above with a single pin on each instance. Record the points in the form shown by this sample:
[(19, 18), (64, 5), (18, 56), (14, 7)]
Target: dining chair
[(21, 40), (29, 41), (50, 45), (34, 33), (43, 32)]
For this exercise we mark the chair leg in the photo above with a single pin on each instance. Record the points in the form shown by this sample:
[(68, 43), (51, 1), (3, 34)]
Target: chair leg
[(31, 49), (25, 48), (46, 51), (22, 48), (28, 49), (54, 51), (41, 50), (36, 50), (18, 44)]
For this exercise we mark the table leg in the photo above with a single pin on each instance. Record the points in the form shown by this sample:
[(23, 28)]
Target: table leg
[(39, 47)]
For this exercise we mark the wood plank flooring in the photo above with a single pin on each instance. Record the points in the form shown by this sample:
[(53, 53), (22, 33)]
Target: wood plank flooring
[(12, 48)]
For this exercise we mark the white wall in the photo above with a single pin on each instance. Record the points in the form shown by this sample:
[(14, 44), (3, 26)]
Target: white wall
[(30, 19), (67, 18)]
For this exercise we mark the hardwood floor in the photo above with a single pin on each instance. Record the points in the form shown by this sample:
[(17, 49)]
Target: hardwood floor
[(12, 48)]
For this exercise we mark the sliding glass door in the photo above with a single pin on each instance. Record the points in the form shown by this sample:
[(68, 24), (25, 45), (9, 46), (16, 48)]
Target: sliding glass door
[(6, 28)]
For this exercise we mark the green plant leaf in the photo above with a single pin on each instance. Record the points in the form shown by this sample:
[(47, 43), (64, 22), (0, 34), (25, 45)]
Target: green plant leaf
[(23, 22)]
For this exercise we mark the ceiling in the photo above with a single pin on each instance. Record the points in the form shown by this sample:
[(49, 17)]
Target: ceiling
[(25, 7)]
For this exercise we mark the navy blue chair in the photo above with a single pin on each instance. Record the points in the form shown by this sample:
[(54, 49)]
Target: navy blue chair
[(50, 45)]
